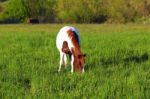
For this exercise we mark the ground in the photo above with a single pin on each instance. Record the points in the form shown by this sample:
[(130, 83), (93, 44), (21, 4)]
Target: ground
[(117, 62)]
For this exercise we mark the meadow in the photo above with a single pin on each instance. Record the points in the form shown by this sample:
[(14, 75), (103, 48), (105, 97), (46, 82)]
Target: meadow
[(117, 62)]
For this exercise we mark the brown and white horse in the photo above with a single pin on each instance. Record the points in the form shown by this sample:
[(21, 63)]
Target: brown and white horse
[(68, 42)]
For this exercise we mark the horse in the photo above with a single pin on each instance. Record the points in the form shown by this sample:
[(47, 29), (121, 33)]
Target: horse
[(68, 43)]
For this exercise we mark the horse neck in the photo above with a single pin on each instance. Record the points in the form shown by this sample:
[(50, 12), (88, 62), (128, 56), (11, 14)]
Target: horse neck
[(74, 40), (76, 50)]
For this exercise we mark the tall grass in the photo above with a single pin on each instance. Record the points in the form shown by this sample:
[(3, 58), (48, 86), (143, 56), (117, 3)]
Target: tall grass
[(117, 63)]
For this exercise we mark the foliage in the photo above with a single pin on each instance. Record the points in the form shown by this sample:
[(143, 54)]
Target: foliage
[(2, 0), (41, 9), (1, 8), (77, 11), (15, 11), (85, 11), (24, 9), (117, 63)]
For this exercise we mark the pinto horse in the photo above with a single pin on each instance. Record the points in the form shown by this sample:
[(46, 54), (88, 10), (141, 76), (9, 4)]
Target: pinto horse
[(68, 42)]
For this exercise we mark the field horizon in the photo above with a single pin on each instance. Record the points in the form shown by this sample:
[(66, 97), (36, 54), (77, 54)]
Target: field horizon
[(117, 62)]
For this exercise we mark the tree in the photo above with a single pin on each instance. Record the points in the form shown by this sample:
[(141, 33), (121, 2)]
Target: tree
[(15, 11), (75, 11), (79, 11), (20, 10), (0, 8), (2, 0), (42, 9)]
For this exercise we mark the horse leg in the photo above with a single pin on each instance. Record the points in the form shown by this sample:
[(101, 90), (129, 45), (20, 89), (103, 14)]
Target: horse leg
[(65, 60), (72, 60), (61, 61)]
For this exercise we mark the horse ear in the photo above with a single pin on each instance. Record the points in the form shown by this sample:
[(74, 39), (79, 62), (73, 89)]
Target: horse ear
[(84, 55)]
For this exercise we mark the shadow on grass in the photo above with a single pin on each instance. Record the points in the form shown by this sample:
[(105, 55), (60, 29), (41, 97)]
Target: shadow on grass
[(24, 82), (137, 58), (113, 60), (90, 66), (131, 58), (63, 70), (109, 61)]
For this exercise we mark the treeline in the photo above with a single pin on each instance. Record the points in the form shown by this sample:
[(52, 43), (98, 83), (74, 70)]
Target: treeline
[(75, 11)]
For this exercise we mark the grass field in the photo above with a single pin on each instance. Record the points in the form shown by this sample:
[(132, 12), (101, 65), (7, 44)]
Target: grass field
[(117, 63)]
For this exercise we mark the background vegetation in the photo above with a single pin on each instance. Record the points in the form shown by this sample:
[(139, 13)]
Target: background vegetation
[(117, 64), (75, 11)]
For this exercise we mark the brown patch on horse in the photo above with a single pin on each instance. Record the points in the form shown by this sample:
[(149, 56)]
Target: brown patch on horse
[(65, 48), (76, 65), (76, 52), (73, 38), (78, 61)]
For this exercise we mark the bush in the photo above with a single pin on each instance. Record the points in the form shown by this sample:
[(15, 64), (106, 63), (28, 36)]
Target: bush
[(76, 11), (14, 11), (83, 11), (20, 10)]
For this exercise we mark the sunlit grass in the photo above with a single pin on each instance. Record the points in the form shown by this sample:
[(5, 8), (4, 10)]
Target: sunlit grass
[(117, 62)]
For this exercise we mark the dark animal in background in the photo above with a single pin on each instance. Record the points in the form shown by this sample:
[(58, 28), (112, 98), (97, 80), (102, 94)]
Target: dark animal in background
[(33, 21)]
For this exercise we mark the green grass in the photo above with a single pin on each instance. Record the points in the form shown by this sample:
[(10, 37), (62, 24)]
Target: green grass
[(117, 63)]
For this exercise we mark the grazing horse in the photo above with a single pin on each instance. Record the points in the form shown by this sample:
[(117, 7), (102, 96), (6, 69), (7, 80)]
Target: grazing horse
[(68, 42)]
